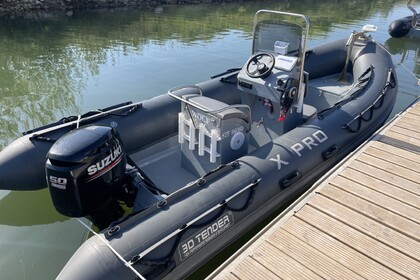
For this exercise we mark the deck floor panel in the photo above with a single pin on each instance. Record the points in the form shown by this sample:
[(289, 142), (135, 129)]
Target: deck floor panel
[(393, 158), (396, 240), (377, 198), (390, 167), (415, 110), (340, 252), (392, 179), (378, 212), (411, 124), (396, 151), (383, 187), (250, 269), (230, 276), (396, 140), (282, 264), (392, 259), (404, 135), (315, 260), (411, 114), (362, 220), (415, 135)]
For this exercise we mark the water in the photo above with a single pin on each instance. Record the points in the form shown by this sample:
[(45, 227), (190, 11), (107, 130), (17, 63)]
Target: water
[(66, 64)]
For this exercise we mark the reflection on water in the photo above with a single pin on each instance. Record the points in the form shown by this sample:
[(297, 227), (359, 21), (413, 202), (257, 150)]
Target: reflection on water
[(67, 64), (47, 62), (406, 54), (409, 49), (35, 208)]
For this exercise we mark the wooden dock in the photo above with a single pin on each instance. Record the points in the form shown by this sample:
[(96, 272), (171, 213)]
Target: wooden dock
[(360, 221)]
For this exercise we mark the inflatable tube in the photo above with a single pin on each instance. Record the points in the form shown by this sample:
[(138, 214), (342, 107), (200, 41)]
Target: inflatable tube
[(172, 239)]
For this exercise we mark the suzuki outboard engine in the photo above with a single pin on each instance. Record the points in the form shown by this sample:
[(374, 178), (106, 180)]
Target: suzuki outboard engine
[(85, 170)]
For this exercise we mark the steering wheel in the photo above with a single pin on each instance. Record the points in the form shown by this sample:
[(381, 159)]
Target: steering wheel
[(260, 65)]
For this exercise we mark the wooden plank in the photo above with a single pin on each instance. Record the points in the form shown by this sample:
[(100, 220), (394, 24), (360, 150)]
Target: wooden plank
[(378, 213), (381, 253), (382, 187), (396, 151), (410, 116), (394, 159), (396, 240), (251, 269), (390, 167), (401, 141), (415, 109), (402, 131), (230, 276), (412, 121), (340, 252), (282, 264), (409, 125), (392, 179), (377, 198), (315, 260)]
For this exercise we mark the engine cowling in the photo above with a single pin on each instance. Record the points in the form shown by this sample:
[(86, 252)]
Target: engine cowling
[(84, 169)]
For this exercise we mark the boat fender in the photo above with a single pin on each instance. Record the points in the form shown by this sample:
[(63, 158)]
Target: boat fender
[(399, 28)]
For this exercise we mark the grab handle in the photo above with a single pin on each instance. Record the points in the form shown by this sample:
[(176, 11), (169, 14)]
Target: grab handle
[(330, 152), (291, 179)]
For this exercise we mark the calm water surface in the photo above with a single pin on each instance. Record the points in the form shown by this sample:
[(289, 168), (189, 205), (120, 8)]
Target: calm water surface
[(66, 64)]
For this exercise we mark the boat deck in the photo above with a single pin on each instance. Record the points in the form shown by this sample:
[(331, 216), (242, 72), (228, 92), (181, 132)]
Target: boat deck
[(362, 220)]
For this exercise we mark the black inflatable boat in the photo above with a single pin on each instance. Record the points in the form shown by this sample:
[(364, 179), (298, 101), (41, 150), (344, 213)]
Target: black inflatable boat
[(173, 180)]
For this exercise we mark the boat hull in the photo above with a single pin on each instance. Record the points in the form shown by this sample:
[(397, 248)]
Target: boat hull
[(171, 239)]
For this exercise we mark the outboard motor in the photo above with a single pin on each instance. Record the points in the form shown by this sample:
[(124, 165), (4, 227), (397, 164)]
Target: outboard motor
[(85, 170)]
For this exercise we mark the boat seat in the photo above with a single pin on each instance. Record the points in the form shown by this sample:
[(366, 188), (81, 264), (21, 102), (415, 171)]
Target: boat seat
[(211, 133), (215, 107), (308, 111)]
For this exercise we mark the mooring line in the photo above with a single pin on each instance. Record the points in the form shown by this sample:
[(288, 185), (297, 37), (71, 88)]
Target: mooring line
[(400, 63), (78, 121), (127, 264)]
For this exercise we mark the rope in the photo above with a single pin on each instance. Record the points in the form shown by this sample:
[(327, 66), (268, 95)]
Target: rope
[(78, 121), (127, 264), (400, 63)]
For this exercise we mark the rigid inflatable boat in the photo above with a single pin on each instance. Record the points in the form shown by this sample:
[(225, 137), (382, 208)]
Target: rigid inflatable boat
[(406, 27), (199, 166)]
